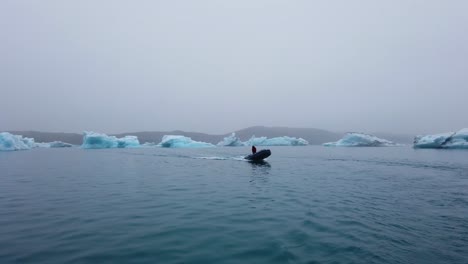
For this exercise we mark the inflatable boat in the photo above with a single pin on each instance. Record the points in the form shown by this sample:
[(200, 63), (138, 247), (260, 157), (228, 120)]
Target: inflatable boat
[(259, 156)]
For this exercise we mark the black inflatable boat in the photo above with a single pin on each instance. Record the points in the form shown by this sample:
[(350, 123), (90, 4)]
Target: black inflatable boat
[(259, 156)]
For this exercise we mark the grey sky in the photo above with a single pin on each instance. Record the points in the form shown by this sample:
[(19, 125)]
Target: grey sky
[(217, 66)]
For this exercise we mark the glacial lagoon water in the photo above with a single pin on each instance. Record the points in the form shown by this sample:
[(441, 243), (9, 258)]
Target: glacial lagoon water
[(304, 205)]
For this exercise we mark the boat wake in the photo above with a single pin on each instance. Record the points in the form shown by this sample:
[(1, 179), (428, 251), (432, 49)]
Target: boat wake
[(238, 158)]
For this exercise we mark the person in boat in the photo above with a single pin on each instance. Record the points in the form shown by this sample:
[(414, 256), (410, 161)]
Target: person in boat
[(254, 150)]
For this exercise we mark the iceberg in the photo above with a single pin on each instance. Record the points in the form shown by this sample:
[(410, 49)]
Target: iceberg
[(276, 141), (176, 141), (432, 141), (459, 140), (354, 139), (9, 142), (41, 145), (54, 144), (231, 141), (149, 144), (59, 144), (449, 140), (92, 140)]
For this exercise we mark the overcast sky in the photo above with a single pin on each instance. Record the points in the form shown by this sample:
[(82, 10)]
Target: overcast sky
[(218, 66)]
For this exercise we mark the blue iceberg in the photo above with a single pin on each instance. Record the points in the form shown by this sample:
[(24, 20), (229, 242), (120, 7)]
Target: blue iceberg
[(276, 141), (9, 142), (449, 140), (92, 140), (176, 141), (354, 139), (231, 141)]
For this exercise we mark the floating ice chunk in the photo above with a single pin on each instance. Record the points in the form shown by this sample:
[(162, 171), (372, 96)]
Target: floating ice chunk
[(459, 140), (231, 141), (92, 140), (59, 144), (41, 145), (128, 142), (360, 140), (432, 141), (149, 144), (276, 141), (176, 141), (10, 142), (54, 144), (444, 140)]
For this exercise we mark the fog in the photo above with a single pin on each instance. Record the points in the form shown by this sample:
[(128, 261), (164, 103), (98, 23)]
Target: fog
[(218, 66)]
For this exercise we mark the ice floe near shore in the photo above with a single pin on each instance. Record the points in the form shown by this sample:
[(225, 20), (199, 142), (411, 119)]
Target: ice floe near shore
[(92, 140), (177, 141), (449, 140), (354, 139), (234, 141)]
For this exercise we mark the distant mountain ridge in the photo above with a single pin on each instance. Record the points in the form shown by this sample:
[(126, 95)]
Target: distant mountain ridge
[(313, 135)]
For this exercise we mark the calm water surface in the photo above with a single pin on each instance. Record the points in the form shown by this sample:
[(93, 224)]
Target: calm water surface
[(305, 205)]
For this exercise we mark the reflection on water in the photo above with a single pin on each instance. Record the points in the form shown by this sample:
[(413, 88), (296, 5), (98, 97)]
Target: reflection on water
[(258, 179), (260, 167), (260, 164)]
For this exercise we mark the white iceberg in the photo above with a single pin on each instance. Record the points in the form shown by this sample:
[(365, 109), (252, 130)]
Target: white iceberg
[(449, 140), (231, 141), (459, 140), (92, 140), (276, 141), (354, 139), (9, 142), (59, 144), (149, 144), (54, 144), (41, 145), (176, 141), (432, 141)]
